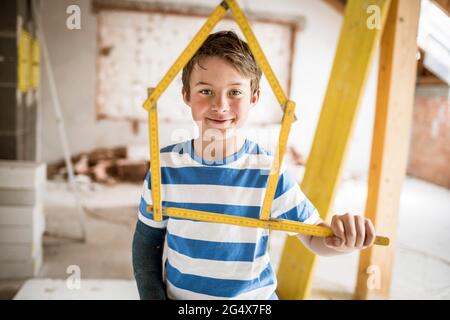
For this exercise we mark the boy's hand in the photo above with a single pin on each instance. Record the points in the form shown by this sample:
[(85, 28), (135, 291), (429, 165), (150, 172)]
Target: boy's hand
[(350, 232)]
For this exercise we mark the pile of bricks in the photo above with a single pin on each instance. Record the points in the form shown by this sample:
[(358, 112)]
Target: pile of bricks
[(22, 223), (122, 164), (103, 165)]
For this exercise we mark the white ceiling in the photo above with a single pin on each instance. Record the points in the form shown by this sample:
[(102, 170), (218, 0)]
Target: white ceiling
[(434, 39)]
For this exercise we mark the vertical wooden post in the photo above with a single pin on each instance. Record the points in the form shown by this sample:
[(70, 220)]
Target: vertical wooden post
[(360, 35), (395, 99)]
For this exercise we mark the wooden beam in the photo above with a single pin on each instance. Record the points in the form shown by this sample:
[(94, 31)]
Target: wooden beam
[(444, 5), (393, 118), (354, 53), (338, 5)]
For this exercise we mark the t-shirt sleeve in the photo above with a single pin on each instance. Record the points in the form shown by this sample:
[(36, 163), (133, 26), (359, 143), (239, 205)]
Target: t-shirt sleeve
[(290, 203), (146, 200)]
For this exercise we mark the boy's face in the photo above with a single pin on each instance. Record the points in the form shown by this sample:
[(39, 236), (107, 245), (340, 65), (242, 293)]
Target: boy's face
[(220, 97)]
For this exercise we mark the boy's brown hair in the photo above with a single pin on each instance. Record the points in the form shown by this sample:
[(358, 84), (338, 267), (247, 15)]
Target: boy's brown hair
[(228, 46)]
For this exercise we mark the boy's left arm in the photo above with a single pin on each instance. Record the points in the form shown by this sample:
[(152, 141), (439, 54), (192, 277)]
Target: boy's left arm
[(351, 232)]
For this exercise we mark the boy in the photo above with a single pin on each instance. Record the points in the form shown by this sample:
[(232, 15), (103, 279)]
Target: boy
[(223, 172)]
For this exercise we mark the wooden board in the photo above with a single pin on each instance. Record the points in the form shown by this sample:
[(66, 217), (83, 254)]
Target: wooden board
[(393, 118), (351, 66)]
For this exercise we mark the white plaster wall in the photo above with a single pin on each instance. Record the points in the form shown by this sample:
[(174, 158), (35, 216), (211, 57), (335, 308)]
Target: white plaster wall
[(73, 54), (73, 58)]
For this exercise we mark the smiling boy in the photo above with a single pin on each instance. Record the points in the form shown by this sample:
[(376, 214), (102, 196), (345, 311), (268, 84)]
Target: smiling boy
[(222, 171)]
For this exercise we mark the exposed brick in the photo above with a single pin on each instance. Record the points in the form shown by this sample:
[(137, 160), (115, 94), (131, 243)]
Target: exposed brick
[(430, 140), (132, 170), (107, 154), (101, 172)]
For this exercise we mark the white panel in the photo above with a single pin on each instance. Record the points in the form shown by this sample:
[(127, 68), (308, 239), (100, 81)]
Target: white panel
[(20, 252), (19, 215), (21, 197), (21, 269), (22, 174), (24, 234), (90, 289)]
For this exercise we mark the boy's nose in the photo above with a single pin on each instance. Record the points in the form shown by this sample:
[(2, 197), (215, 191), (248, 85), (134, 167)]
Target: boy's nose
[(221, 104)]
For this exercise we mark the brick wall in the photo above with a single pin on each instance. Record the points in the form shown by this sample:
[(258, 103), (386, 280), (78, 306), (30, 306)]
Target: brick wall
[(429, 157)]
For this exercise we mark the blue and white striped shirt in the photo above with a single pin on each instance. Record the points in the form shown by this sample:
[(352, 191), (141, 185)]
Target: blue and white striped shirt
[(207, 260)]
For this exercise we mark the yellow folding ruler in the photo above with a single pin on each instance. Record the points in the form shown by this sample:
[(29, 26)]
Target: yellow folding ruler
[(155, 167), (288, 107), (272, 223)]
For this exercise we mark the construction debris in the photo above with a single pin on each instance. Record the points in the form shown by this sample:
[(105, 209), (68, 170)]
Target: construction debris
[(103, 165), (122, 164)]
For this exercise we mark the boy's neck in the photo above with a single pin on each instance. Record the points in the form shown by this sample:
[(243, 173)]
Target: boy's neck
[(213, 150)]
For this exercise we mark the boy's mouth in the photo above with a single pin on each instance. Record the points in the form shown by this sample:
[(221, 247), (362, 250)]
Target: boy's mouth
[(219, 121)]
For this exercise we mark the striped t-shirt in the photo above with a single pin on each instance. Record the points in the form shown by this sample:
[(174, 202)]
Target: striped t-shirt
[(205, 260)]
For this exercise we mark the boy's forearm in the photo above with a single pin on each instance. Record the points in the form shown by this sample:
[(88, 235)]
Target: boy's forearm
[(147, 252)]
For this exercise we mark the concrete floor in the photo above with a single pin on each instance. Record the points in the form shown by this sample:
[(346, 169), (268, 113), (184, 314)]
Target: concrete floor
[(422, 262)]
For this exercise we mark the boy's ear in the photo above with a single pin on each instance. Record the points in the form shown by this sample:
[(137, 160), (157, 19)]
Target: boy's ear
[(255, 98), (185, 96)]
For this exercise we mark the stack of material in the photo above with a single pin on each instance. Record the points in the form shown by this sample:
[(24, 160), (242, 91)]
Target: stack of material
[(22, 223), (106, 165)]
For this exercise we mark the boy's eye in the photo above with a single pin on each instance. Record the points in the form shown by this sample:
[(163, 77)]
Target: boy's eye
[(235, 92), (206, 92)]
